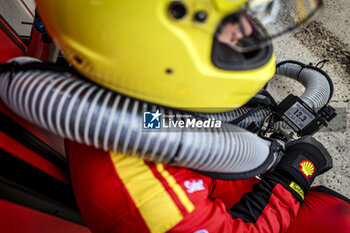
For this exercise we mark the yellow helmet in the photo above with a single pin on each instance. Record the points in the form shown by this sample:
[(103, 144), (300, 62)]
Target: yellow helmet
[(199, 55)]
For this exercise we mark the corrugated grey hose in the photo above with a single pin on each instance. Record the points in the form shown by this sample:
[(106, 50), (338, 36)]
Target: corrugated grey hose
[(87, 113), (316, 95), (317, 87)]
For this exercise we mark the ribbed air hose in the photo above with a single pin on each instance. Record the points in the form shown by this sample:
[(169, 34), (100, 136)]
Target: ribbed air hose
[(318, 91), (82, 111), (317, 87)]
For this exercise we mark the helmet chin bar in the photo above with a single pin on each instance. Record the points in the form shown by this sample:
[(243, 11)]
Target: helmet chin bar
[(87, 113)]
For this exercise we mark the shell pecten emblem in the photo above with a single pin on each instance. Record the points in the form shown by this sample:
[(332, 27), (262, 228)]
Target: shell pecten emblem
[(307, 168)]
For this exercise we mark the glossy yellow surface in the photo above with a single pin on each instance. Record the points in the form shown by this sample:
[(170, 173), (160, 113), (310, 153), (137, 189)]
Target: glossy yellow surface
[(138, 49)]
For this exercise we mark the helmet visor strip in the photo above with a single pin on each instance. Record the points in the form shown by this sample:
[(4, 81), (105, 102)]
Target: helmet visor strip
[(262, 20)]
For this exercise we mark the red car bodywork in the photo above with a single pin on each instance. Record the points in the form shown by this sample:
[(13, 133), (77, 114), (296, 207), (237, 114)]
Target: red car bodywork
[(35, 194)]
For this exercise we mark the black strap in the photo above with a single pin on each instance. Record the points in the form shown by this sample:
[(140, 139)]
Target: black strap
[(44, 66)]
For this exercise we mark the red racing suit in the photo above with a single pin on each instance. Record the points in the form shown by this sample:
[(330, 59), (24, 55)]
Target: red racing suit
[(119, 193)]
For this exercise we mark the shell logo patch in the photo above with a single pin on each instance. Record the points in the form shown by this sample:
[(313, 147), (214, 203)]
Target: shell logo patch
[(307, 168)]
